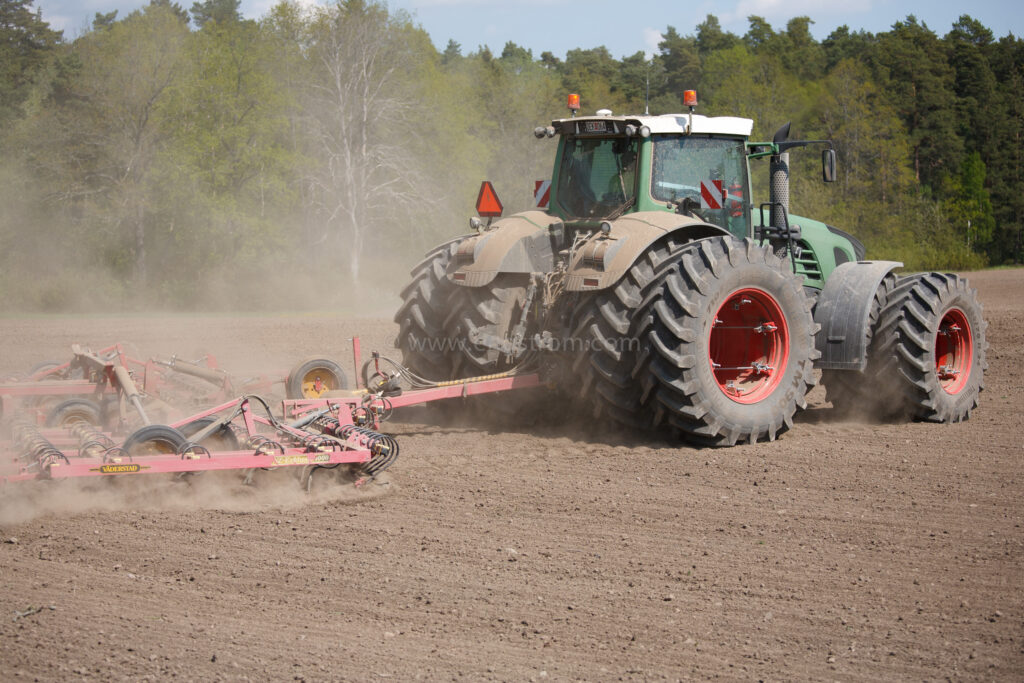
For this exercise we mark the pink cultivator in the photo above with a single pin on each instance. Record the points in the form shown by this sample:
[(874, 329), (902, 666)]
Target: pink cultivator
[(324, 427)]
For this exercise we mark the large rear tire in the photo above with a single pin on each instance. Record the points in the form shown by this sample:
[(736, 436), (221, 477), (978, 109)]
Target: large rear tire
[(609, 328), (480, 317), (932, 348), (426, 301), (731, 346)]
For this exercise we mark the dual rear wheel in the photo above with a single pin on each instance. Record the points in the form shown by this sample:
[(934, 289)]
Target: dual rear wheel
[(712, 340), (926, 358)]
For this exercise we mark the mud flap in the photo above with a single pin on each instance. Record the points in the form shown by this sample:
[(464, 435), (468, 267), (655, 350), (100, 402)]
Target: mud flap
[(843, 309)]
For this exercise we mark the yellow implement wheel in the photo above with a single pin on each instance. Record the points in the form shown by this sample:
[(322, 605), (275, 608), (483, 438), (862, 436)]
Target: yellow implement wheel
[(314, 377)]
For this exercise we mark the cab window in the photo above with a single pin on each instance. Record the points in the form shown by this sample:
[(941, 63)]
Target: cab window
[(709, 172), (597, 177)]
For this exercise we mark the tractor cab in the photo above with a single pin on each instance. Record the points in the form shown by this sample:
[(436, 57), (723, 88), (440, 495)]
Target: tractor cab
[(608, 166)]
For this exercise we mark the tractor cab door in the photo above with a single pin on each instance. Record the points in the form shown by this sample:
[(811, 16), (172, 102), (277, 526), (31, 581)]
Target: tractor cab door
[(705, 175)]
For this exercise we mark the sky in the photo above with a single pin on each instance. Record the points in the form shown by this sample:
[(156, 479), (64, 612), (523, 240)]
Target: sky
[(625, 28)]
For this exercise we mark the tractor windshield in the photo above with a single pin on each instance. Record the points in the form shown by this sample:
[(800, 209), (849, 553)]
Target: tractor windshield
[(710, 172), (597, 178)]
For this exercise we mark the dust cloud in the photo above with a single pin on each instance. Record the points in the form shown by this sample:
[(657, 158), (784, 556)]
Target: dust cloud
[(278, 489)]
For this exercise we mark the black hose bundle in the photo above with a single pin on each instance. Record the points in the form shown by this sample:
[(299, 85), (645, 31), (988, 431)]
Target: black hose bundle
[(383, 448)]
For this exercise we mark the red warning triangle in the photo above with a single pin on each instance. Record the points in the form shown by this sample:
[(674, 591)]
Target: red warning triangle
[(487, 203)]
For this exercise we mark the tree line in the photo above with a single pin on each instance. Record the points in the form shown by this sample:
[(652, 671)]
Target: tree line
[(186, 158)]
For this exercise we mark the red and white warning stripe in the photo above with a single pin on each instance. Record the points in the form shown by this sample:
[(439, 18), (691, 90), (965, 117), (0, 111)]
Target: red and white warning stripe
[(542, 193), (712, 194)]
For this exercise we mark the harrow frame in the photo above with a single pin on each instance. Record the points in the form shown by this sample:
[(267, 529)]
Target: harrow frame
[(336, 429)]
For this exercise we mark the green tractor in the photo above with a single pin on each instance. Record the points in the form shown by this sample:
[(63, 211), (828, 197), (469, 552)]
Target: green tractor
[(654, 290)]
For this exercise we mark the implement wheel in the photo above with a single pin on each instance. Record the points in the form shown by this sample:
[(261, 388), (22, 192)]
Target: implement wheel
[(154, 440), (73, 410), (732, 344), (314, 377), (223, 439)]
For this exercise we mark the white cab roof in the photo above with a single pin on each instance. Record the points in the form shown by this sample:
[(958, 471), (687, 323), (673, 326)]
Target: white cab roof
[(676, 123)]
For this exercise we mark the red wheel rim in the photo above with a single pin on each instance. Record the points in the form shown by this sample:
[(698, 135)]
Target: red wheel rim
[(749, 346), (954, 349)]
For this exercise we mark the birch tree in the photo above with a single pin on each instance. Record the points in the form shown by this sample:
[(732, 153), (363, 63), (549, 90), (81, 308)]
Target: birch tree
[(363, 123)]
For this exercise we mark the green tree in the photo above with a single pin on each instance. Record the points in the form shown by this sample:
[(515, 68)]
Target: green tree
[(913, 68), (760, 33), (872, 143), (362, 121), (26, 43), (1005, 162), (97, 151), (102, 21), (680, 57), (227, 168), (516, 57), (175, 7), (801, 54), (594, 75), (975, 83), (452, 53), (711, 37), (640, 78), (842, 44), (968, 204), (220, 11)]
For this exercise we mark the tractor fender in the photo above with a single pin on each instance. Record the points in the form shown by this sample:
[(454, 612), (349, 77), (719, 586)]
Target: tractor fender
[(843, 310), (603, 259), (520, 243)]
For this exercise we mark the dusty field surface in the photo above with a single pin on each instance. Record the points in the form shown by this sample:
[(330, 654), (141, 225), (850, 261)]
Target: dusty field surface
[(845, 551)]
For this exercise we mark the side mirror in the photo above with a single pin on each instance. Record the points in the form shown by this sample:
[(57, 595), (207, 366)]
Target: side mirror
[(828, 165)]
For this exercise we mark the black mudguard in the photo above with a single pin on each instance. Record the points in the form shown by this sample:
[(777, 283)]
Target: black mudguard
[(843, 310)]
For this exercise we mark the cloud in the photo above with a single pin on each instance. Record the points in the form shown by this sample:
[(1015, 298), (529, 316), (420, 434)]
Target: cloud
[(778, 12), (651, 39), (497, 4)]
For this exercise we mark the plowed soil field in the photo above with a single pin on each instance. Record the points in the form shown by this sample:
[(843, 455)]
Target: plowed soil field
[(560, 551)]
